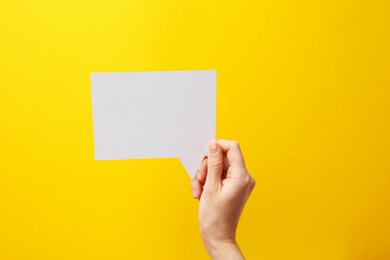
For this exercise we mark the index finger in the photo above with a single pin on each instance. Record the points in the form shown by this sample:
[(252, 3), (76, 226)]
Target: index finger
[(233, 153)]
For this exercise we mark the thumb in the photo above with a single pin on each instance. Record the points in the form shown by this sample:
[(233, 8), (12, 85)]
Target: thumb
[(214, 166)]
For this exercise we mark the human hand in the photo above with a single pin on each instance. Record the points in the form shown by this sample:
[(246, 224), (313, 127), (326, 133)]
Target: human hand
[(223, 186)]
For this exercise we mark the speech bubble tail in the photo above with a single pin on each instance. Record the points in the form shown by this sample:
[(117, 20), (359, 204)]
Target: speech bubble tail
[(191, 163)]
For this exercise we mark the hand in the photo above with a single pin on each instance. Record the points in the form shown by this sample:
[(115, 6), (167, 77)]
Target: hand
[(223, 186)]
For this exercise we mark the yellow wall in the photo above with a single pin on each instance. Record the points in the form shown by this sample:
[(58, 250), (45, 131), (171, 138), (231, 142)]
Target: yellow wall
[(303, 85)]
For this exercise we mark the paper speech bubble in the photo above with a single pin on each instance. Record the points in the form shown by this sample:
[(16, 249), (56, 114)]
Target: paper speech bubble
[(154, 115)]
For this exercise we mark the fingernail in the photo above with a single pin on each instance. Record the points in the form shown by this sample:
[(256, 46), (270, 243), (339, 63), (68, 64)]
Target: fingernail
[(194, 193), (213, 148)]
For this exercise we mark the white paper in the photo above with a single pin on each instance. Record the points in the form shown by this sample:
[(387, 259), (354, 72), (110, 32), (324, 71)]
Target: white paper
[(154, 115)]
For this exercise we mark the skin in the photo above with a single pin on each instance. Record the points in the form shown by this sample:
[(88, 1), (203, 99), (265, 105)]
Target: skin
[(222, 185)]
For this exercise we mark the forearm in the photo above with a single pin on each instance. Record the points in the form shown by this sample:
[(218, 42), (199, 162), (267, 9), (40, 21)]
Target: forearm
[(223, 250)]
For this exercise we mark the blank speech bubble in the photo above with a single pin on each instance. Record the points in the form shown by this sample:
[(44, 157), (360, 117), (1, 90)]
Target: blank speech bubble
[(140, 115)]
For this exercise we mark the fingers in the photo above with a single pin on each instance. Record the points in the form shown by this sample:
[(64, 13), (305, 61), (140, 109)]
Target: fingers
[(222, 155), (202, 171), (214, 166), (197, 188), (233, 153), (199, 179)]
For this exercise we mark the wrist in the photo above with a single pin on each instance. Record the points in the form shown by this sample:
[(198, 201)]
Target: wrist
[(226, 249)]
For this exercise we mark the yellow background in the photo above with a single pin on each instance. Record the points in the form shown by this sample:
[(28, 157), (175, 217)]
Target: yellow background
[(302, 85)]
